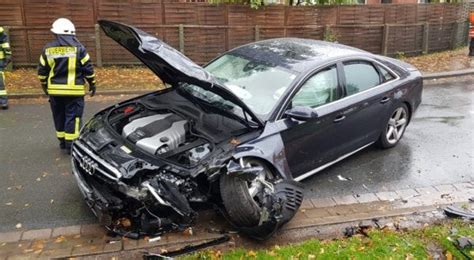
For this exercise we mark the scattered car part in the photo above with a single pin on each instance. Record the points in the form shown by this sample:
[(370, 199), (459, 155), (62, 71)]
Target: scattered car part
[(187, 249), (456, 212)]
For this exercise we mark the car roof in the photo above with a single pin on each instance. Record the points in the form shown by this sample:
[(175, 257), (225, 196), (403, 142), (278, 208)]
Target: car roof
[(295, 54)]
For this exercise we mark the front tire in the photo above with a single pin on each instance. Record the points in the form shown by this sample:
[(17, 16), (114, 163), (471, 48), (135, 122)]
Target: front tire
[(394, 128), (240, 197)]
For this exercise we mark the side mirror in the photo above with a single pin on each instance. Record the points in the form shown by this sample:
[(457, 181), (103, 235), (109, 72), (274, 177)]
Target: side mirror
[(301, 113)]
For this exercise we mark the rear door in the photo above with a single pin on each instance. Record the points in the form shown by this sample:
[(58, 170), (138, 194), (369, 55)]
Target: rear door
[(368, 96)]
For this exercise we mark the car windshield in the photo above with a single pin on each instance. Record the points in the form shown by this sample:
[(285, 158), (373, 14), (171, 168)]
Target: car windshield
[(257, 84)]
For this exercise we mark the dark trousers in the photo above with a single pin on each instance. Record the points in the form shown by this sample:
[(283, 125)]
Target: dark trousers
[(471, 47), (3, 92), (67, 115)]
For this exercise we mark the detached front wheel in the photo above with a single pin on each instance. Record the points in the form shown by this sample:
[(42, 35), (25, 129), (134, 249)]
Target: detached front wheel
[(243, 198), (395, 127)]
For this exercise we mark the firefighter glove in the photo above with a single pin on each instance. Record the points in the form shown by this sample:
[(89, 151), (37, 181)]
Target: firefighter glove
[(92, 90)]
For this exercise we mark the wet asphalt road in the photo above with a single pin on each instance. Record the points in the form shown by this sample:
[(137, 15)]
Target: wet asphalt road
[(37, 190)]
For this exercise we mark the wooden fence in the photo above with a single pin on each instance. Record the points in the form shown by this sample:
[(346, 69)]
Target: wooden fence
[(202, 31)]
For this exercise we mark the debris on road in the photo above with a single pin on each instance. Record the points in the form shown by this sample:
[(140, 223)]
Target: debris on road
[(464, 242), (360, 229), (186, 250), (456, 212), (342, 178), (154, 239)]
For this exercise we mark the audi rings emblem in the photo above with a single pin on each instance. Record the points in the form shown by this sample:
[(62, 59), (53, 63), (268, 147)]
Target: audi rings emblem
[(88, 165)]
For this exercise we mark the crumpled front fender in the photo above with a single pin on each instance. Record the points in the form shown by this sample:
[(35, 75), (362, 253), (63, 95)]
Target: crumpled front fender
[(269, 149), (281, 206)]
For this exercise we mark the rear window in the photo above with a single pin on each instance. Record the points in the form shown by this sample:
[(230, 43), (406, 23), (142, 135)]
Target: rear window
[(386, 75), (360, 76)]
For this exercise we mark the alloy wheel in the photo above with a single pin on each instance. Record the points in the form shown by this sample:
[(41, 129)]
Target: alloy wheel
[(396, 125)]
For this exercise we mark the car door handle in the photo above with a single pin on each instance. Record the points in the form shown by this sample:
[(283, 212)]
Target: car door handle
[(384, 100), (339, 119)]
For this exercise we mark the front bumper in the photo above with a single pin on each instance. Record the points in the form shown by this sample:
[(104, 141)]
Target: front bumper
[(101, 205), (110, 200)]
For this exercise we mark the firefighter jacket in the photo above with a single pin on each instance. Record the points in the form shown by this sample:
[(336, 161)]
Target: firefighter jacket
[(5, 51), (64, 66)]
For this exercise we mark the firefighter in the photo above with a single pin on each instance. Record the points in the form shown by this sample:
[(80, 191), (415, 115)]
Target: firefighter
[(471, 34), (5, 58), (64, 67)]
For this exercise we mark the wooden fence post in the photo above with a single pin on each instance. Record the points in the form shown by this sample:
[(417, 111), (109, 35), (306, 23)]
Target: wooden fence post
[(7, 32), (257, 32), (454, 35), (98, 47), (326, 32), (386, 31), (426, 40), (181, 38)]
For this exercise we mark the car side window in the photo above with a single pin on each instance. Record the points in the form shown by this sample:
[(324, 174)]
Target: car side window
[(318, 90), (360, 76), (386, 76)]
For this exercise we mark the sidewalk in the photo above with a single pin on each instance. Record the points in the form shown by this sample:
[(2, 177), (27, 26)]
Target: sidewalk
[(321, 218)]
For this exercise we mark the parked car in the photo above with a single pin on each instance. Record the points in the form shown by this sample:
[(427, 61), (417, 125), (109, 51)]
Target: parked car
[(239, 133)]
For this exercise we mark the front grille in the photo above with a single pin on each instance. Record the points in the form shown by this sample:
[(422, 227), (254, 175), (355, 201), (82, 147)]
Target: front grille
[(91, 164)]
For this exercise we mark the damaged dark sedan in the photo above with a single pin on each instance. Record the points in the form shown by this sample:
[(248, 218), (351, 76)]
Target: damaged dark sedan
[(238, 134)]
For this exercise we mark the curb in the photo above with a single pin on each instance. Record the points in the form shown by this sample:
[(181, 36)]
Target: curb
[(428, 76), (448, 74), (314, 215)]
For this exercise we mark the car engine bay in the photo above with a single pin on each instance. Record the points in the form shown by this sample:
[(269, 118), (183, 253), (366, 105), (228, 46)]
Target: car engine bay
[(169, 157), (162, 134)]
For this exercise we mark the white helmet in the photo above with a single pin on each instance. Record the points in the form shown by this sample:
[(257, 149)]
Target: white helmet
[(63, 26)]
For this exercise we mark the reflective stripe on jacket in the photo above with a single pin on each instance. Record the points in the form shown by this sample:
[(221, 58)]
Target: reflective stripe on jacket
[(65, 68), (5, 51)]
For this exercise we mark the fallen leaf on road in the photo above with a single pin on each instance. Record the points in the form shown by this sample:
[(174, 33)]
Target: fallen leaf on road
[(3, 244), (29, 250), (38, 179), (59, 239), (124, 222), (44, 174), (18, 226), (27, 205), (188, 231)]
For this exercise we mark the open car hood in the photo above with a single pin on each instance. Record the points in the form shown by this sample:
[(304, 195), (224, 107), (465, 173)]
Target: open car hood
[(170, 65)]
